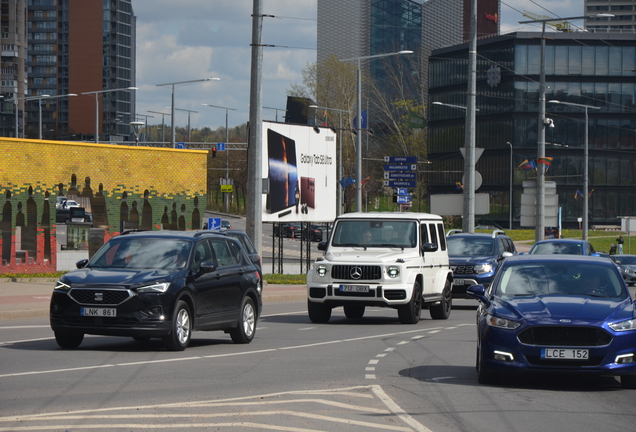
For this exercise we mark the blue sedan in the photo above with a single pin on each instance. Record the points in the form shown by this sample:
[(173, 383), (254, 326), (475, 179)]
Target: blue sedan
[(563, 246), (556, 314)]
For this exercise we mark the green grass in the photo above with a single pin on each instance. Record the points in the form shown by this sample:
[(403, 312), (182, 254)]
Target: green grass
[(300, 279)]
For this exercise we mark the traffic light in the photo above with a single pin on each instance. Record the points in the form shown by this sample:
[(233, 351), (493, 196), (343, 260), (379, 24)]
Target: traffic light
[(214, 151)]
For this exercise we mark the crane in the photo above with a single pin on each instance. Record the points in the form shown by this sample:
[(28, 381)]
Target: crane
[(560, 25)]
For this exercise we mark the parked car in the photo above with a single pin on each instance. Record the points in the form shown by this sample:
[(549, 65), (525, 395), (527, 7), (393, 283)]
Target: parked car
[(475, 257), (247, 244), (556, 314), (225, 225), (627, 265), (159, 284), (66, 215), (562, 246)]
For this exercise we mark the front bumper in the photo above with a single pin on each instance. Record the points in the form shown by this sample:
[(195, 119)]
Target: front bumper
[(462, 282), (333, 294)]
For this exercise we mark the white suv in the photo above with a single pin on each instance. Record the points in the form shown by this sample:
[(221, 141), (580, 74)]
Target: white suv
[(396, 260)]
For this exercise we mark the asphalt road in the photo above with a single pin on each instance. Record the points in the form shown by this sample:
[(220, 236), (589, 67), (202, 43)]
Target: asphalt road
[(368, 374)]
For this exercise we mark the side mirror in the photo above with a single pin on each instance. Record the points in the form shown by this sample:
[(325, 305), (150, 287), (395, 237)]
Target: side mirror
[(81, 263), (208, 267), (429, 247), (322, 246), (478, 292), (506, 254)]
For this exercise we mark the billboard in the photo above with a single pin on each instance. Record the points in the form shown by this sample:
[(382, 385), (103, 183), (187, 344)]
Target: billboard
[(300, 166)]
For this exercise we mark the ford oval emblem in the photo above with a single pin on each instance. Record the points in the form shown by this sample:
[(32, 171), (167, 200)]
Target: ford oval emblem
[(565, 320)]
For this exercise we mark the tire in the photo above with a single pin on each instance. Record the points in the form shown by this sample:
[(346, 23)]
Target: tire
[(354, 312), (69, 340), (246, 327), (410, 313), (318, 313), (628, 382), (141, 338), (443, 309), (484, 376), (179, 337)]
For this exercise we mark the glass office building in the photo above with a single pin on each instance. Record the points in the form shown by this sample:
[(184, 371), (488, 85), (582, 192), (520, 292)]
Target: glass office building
[(582, 68)]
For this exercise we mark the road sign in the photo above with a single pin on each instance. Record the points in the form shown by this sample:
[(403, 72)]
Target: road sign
[(393, 175), (402, 191), (412, 167), (401, 159), (220, 146), (214, 224), (227, 188), (400, 183), (402, 199), (181, 145)]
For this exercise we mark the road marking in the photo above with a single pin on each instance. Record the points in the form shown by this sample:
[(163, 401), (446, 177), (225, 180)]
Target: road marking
[(369, 376), (25, 340), (395, 409), (24, 327), (306, 328), (381, 355), (369, 368), (403, 342), (374, 361)]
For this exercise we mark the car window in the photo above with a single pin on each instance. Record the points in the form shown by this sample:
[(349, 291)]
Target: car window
[(142, 253), (442, 237), (423, 234), (469, 246), (557, 248), (433, 234), (224, 255), (201, 254)]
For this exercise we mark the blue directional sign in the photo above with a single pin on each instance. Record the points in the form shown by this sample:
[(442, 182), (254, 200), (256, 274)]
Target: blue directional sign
[(400, 167), (393, 175), (402, 191), (214, 224), (400, 183), (403, 199), (220, 146), (181, 145), (401, 159)]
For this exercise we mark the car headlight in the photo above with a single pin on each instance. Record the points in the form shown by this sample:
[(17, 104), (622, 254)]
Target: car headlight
[(155, 288), (321, 270), (61, 286), (624, 325), (483, 268), (499, 322), (393, 271)]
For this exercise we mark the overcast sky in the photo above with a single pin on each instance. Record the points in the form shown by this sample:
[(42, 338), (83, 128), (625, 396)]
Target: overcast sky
[(193, 39)]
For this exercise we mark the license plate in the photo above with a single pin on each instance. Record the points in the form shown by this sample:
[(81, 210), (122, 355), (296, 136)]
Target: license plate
[(564, 354), (98, 312), (459, 282), (354, 288)]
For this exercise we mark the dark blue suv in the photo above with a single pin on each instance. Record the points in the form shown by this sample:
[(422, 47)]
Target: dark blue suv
[(474, 258)]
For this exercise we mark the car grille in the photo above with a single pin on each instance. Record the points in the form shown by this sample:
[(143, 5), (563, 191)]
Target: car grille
[(464, 269), (538, 361), (97, 296), (366, 272), (563, 336)]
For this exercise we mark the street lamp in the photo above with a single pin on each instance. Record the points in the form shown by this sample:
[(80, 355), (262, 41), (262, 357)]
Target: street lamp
[(540, 210), (585, 162), (358, 125), (510, 193), (162, 123), (277, 109), (172, 103), (339, 194), (136, 125), (226, 196), (96, 93), (189, 111), (145, 120), (15, 101), (39, 99)]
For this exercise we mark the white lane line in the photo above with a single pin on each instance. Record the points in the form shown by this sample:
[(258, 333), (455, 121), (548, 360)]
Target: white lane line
[(433, 332), (389, 349), (395, 408), (24, 327), (403, 342), (25, 340), (381, 355), (373, 361), (369, 368), (369, 376), (306, 328), (418, 337)]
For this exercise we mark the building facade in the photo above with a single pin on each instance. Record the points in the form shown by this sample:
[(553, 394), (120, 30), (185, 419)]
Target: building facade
[(596, 69), (78, 46), (623, 21), (14, 52)]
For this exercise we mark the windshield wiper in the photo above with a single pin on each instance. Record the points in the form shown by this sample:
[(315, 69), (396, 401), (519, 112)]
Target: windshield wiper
[(524, 295)]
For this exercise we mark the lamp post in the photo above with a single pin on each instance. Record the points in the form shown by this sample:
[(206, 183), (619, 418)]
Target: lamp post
[(339, 194), (162, 122), (15, 101), (540, 210), (226, 197), (277, 109), (172, 141), (358, 125), (510, 193), (145, 120), (97, 93), (585, 162), (136, 125), (39, 99), (189, 111)]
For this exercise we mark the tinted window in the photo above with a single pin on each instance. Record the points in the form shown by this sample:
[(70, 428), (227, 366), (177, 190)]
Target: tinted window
[(470, 245), (225, 257), (442, 238), (558, 248), (142, 253), (201, 254), (433, 234), (424, 234)]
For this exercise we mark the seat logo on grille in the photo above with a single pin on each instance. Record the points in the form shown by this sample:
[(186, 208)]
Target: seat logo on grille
[(355, 273), (99, 297)]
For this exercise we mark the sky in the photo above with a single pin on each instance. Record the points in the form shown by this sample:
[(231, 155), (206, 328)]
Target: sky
[(197, 39)]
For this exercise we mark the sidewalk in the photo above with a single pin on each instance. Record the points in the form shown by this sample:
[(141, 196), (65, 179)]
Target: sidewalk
[(29, 298)]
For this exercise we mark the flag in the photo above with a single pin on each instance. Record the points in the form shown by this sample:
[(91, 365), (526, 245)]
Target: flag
[(526, 165), (459, 186), (547, 161), (578, 194), (346, 181), (324, 119), (590, 192), (364, 181), (364, 121), (416, 121)]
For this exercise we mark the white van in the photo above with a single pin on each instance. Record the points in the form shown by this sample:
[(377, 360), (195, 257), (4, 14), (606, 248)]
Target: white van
[(396, 260)]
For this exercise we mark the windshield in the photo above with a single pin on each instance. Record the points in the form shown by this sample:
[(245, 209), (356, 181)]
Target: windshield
[(557, 248), (469, 246), (132, 252), (375, 233), (560, 278), (631, 260)]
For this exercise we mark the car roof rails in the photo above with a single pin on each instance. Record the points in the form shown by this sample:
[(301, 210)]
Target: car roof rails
[(453, 231), (496, 233)]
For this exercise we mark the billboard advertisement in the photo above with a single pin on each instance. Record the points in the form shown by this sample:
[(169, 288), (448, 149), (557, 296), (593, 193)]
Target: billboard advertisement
[(300, 166)]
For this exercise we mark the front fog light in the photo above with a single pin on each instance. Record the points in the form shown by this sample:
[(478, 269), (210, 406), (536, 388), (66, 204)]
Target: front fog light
[(503, 356), (153, 312), (321, 270), (393, 271), (624, 359)]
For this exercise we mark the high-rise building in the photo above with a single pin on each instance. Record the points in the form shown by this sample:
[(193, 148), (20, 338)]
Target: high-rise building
[(78, 46), (14, 51), (623, 21)]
